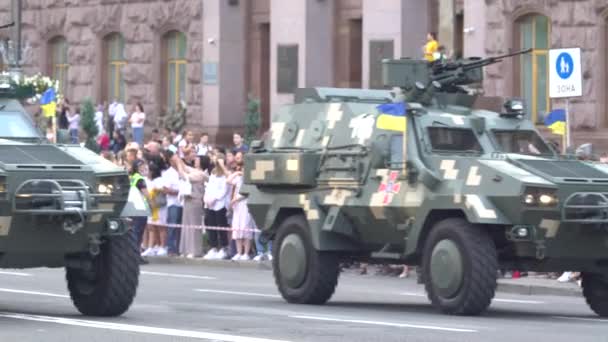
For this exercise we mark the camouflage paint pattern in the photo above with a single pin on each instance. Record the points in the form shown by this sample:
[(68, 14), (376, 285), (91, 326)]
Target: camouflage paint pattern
[(326, 159)]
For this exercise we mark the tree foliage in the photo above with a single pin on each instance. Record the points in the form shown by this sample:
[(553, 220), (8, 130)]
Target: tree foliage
[(87, 123), (252, 119)]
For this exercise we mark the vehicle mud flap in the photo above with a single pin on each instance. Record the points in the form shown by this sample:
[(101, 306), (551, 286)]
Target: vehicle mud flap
[(136, 205)]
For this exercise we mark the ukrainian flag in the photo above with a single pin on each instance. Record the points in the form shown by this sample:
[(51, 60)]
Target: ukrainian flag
[(48, 103), (556, 121), (392, 117)]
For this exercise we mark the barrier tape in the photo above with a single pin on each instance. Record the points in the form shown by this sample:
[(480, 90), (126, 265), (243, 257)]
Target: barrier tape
[(201, 227)]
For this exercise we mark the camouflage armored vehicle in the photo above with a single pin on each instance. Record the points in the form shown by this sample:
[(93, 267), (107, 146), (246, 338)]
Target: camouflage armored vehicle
[(62, 206), (418, 176)]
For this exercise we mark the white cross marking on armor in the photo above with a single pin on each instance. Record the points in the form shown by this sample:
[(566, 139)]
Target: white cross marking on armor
[(334, 114)]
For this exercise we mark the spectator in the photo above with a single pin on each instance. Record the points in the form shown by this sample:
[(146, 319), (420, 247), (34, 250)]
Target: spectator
[(177, 138), (241, 219), (62, 122), (138, 171), (119, 142), (230, 162), (156, 136), (191, 238), (137, 120), (103, 140), (157, 232), (239, 145), (186, 145), (174, 207), (166, 143), (74, 126), (99, 119), (111, 114), (203, 147), (215, 200), (120, 118), (431, 46)]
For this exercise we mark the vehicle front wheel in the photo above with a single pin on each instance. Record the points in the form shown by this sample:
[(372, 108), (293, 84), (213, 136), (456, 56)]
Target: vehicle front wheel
[(109, 287), (459, 267), (595, 290), (302, 274)]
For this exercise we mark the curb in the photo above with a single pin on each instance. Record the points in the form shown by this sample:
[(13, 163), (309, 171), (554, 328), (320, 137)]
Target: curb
[(503, 287)]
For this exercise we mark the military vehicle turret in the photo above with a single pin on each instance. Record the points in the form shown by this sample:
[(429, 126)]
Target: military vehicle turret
[(417, 176), (65, 206)]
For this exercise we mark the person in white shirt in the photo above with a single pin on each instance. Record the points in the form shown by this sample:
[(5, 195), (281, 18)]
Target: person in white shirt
[(216, 192), (99, 120), (137, 120), (171, 183), (120, 117), (203, 147)]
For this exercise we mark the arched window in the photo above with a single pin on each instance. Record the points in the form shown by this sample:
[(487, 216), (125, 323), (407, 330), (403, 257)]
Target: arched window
[(534, 68), (59, 65), (114, 47), (175, 67)]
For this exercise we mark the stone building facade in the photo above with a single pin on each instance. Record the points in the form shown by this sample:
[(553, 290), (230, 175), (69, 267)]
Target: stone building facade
[(213, 54)]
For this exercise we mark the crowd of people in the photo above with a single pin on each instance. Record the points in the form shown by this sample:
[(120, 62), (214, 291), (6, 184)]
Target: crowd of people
[(191, 187)]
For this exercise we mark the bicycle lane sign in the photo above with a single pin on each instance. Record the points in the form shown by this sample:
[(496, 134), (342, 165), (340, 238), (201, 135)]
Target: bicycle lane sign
[(565, 74)]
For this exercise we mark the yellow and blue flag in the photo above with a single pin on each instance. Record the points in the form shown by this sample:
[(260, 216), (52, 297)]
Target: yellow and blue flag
[(392, 116), (48, 103), (556, 121)]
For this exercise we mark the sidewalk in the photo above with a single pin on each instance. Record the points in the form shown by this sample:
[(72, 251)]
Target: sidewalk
[(522, 286)]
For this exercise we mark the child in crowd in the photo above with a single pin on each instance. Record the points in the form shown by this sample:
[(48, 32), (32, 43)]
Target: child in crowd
[(216, 192)]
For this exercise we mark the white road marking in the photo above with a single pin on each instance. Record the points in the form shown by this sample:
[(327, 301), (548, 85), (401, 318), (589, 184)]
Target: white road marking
[(597, 320), (177, 275), (518, 301), (35, 293), (388, 324), (238, 293), (136, 328), (19, 274)]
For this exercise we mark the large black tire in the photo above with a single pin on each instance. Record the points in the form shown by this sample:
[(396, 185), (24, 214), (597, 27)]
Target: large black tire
[(595, 290), (321, 272), (474, 289), (108, 289)]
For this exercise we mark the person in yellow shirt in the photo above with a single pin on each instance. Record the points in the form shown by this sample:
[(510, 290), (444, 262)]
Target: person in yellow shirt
[(431, 46)]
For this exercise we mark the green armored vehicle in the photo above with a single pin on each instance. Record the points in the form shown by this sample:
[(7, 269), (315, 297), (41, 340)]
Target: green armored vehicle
[(417, 176), (64, 206)]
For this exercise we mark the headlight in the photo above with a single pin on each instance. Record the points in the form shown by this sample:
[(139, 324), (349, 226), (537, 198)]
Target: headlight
[(113, 185), (537, 197)]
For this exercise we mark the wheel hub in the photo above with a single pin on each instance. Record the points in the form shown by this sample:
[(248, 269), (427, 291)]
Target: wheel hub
[(446, 268), (292, 260)]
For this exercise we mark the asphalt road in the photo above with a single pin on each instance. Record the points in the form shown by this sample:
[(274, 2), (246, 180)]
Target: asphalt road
[(194, 303)]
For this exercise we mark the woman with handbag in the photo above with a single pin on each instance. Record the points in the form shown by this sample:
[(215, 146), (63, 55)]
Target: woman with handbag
[(192, 192)]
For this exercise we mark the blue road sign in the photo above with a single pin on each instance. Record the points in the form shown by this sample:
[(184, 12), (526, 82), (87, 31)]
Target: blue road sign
[(564, 65)]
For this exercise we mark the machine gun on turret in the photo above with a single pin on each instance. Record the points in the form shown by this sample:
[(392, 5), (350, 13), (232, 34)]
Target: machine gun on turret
[(420, 80)]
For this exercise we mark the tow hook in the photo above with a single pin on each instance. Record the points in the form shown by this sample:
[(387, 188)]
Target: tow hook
[(94, 243), (74, 223)]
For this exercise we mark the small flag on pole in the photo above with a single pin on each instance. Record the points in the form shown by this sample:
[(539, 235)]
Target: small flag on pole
[(48, 103), (556, 121), (392, 116)]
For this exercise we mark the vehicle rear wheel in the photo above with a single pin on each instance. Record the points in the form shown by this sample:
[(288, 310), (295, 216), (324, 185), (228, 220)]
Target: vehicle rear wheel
[(595, 290), (302, 274), (109, 287), (459, 267)]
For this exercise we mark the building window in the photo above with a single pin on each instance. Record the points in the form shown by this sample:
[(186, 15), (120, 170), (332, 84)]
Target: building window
[(287, 69), (175, 52), (114, 48), (59, 62), (378, 50), (534, 67)]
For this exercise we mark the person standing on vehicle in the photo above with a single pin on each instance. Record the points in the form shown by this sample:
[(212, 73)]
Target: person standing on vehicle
[(431, 46)]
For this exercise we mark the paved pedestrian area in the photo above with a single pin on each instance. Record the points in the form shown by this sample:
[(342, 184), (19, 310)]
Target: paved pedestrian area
[(211, 303)]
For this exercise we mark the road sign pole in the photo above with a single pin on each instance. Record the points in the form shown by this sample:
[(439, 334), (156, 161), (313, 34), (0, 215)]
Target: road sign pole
[(567, 123)]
